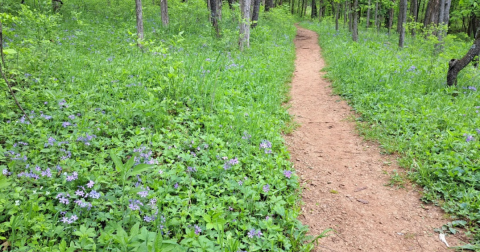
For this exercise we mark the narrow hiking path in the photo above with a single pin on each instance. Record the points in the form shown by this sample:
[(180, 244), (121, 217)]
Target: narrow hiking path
[(344, 176)]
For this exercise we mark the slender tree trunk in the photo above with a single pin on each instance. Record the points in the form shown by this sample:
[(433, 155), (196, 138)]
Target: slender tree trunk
[(400, 18), (337, 13), (314, 9), (368, 13), (376, 14), (350, 16), (414, 14), (355, 21), (164, 12), (219, 9), (256, 10), (138, 11), (320, 8), (292, 7), (244, 40), (403, 16), (455, 66), (345, 11), (268, 5), (390, 19), (214, 16)]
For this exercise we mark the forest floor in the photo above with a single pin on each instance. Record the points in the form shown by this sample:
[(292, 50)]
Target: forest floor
[(345, 178)]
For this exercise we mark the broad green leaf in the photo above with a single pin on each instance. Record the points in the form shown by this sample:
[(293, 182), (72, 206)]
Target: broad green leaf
[(116, 160), (9, 51), (140, 168)]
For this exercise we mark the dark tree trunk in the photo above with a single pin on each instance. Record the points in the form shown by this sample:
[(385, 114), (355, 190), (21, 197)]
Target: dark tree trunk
[(455, 66), (376, 13), (337, 13), (345, 11), (214, 16), (292, 7), (164, 12), (399, 18), (268, 5), (390, 19), (230, 4), (414, 14), (432, 13), (350, 16), (403, 22), (256, 10), (355, 21), (139, 15), (368, 13), (56, 5), (314, 9)]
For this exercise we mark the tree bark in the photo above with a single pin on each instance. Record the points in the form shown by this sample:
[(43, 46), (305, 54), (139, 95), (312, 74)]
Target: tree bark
[(350, 16), (320, 7), (376, 13), (256, 10), (399, 18), (230, 4), (268, 5), (214, 16), (390, 19), (413, 14), (314, 9), (138, 11), (244, 40), (337, 13), (355, 21), (345, 11), (368, 13), (403, 10), (432, 13), (164, 12), (455, 66)]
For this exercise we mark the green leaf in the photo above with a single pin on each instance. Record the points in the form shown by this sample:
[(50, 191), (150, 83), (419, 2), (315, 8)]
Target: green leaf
[(140, 168), (4, 182), (130, 163), (9, 51), (116, 160)]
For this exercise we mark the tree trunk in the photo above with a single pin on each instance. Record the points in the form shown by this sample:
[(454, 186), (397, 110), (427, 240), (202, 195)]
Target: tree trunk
[(455, 66), (268, 5), (314, 9), (390, 19), (413, 14), (345, 11), (320, 6), (219, 9), (293, 7), (368, 13), (432, 13), (399, 18), (256, 10), (244, 40), (403, 22), (350, 16), (337, 13), (138, 11), (230, 4), (376, 13), (214, 16), (164, 12), (355, 21)]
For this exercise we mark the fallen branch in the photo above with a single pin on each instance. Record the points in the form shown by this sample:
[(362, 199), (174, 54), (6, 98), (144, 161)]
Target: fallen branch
[(5, 77), (455, 65)]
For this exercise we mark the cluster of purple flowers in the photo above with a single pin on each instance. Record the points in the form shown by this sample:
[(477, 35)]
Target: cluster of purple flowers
[(15, 156), (287, 173), (254, 232), (72, 177), (468, 137), (20, 143), (266, 188), (144, 194), (135, 205), (23, 120), (63, 104), (230, 163), (50, 142), (266, 146), (246, 136), (47, 117), (70, 220), (144, 156), (198, 230), (191, 169), (6, 172), (86, 139), (412, 68), (68, 154), (63, 198), (83, 204)]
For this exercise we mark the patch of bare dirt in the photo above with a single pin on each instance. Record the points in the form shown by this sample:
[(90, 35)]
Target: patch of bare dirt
[(344, 177)]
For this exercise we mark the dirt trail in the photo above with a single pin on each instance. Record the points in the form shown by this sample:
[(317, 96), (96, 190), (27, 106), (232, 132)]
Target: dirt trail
[(344, 177)]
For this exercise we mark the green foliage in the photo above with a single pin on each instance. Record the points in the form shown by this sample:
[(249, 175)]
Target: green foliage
[(403, 97), (174, 147)]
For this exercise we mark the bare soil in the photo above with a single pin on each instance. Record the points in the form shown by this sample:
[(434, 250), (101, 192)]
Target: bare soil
[(344, 177)]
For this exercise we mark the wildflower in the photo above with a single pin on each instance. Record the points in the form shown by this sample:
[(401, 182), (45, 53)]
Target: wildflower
[(94, 194), (64, 219), (266, 188), (412, 68), (468, 137), (287, 173), (63, 103), (251, 233), (66, 124), (240, 182), (47, 173), (191, 169), (233, 161), (64, 200), (50, 142), (268, 217), (71, 117), (80, 193), (143, 194), (246, 136), (176, 185), (198, 230), (160, 172), (17, 202), (73, 218), (148, 218), (265, 144), (478, 131), (472, 88), (90, 184), (6, 172)]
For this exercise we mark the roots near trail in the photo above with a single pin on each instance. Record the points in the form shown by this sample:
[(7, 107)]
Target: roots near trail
[(344, 177)]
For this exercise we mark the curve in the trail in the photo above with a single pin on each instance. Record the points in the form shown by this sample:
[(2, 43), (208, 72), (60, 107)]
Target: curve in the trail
[(344, 176)]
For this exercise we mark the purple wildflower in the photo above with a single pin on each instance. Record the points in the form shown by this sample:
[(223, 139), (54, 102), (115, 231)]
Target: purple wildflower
[(198, 230), (287, 173), (80, 193), (478, 131), (240, 182), (94, 194), (468, 137), (233, 161), (148, 218), (143, 194), (176, 185), (266, 188), (265, 144), (251, 233), (71, 117), (90, 184), (191, 169)]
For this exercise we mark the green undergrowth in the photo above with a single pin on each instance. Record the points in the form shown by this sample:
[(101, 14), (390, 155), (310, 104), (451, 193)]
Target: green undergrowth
[(402, 96), (173, 147)]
